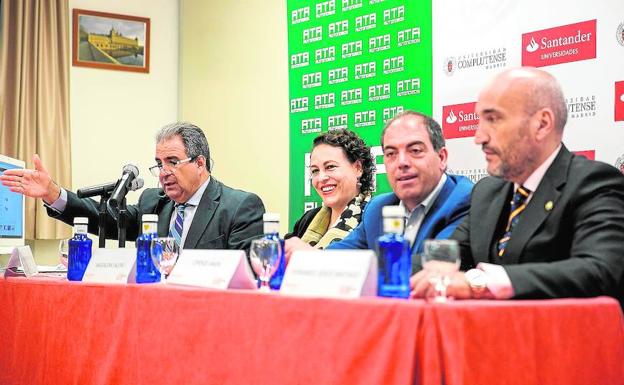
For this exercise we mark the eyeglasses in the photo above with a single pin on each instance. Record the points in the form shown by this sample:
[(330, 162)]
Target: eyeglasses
[(170, 166)]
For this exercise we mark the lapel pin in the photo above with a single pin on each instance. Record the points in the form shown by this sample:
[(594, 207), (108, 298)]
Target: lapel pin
[(549, 205)]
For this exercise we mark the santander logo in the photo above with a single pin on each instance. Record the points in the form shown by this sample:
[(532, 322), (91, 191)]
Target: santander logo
[(589, 154), (533, 46), (451, 118), (460, 120), (563, 44), (619, 101)]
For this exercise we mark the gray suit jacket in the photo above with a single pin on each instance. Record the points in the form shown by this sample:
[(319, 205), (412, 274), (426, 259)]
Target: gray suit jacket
[(569, 241), (225, 218)]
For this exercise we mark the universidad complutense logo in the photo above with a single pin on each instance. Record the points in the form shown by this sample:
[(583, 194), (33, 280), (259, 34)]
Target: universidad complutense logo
[(459, 120), (619, 101), (563, 44)]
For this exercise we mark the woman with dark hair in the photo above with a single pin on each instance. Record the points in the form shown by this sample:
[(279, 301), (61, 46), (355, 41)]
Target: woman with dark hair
[(342, 170)]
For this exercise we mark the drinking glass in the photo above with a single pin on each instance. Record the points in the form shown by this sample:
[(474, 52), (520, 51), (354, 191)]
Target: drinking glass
[(164, 252), (64, 251), (264, 256), (441, 260)]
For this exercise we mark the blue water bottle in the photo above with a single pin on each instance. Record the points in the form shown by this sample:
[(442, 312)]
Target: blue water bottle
[(271, 231), (146, 271), (79, 250), (395, 262)]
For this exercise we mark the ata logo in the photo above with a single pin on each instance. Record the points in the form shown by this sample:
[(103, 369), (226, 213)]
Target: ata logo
[(364, 22), (408, 36), (312, 80), (299, 104), (394, 15), (348, 5), (300, 60), (313, 34), (339, 75), (449, 66), (365, 118), (408, 87), (393, 64), (352, 96), (379, 92), (619, 34), (391, 112), (352, 49), (324, 55), (379, 43), (365, 70), (339, 28), (300, 15), (563, 44), (337, 122), (311, 125), (326, 8), (323, 101)]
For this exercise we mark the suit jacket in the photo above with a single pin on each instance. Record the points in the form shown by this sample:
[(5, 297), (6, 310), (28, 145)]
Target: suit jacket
[(224, 219), (302, 224), (568, 242), (451, 205)]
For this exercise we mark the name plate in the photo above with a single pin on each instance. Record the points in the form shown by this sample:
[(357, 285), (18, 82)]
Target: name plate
[(331, 273), (111, 266), (216, 269), (21, 263)]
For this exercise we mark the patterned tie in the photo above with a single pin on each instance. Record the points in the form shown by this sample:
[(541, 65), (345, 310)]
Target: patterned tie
[(518, 204), (177, 228)]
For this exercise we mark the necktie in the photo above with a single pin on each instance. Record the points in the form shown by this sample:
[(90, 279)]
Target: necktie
[(177, 228), (518, 204)]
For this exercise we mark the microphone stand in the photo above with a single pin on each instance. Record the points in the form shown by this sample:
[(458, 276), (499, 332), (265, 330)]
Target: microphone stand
[(121, 223), (102, 220)]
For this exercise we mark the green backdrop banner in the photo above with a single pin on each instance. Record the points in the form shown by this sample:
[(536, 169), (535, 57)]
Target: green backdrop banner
[(353, 64)]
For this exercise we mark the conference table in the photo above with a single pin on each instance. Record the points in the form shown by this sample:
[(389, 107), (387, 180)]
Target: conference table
[(57, 332)]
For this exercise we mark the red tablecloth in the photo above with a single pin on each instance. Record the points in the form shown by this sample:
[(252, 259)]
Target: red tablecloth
[(57, 332)]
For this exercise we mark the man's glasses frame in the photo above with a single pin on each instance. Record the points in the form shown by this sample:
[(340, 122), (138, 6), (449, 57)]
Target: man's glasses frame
[(170, 166)]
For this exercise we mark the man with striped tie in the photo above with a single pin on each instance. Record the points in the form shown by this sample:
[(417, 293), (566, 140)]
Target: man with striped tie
[(192, 206), (547, 223)]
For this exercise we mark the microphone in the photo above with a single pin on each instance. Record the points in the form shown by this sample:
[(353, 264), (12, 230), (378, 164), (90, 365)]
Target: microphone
[(105, 188), (129, 174)]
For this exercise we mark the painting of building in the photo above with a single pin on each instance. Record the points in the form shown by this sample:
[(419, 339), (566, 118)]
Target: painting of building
[(111, 41)]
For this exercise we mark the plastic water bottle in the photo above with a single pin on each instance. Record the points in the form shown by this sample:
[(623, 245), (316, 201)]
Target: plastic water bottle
[(146, 271), (395, 262), (79, 250), (271, 231)]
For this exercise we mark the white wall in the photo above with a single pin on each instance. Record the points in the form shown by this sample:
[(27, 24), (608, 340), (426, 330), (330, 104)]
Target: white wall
[(234, 85), (115, 114)]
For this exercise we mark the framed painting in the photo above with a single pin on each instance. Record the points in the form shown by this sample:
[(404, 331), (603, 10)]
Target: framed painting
[(110, 41)]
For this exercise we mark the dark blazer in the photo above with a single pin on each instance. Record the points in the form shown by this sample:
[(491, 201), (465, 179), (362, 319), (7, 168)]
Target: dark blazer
[(568, 242), (445, 214), (302, 224), (225, 218)]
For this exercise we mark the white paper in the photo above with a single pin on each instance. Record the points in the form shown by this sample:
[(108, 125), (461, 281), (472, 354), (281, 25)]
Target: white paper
[(21, 259), (331, 273), (217, 269), (110, 266)]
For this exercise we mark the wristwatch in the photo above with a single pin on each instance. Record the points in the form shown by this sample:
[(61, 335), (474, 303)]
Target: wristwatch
[(477, 280)]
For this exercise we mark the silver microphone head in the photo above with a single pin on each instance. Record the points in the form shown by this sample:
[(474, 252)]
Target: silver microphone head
[(134, 170)]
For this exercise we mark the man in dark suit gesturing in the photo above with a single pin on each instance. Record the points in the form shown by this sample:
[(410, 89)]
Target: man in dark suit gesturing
[(547, 223), (209, 214)]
